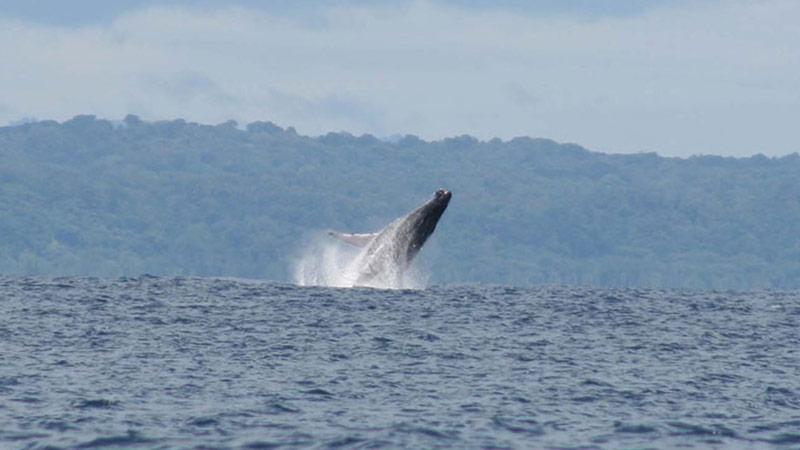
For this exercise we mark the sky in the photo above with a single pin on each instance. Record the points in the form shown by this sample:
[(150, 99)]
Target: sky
[(677, 77)]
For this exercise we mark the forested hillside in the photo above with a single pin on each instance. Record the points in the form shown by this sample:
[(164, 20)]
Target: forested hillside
[(90, 197)]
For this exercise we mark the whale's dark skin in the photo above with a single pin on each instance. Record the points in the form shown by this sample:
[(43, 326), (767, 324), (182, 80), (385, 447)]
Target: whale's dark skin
[(390, 251)]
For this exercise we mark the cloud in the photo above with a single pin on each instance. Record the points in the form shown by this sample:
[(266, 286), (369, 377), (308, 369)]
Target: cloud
[(712, 77), (185, 87)]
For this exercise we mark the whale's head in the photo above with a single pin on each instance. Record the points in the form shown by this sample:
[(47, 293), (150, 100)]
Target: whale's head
[(442, 195), (419, 224), (433, 210)]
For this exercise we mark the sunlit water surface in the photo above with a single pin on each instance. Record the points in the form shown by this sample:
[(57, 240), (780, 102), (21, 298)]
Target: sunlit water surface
[(212, 363)]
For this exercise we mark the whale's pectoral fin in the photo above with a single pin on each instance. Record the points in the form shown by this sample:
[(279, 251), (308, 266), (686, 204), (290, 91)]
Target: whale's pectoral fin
[(359, 240)]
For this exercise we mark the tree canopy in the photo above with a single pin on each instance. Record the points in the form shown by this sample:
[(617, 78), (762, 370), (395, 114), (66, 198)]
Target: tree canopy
[(92, 197)]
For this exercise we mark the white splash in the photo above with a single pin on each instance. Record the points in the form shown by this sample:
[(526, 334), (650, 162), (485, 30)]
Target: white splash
[(329, 262)]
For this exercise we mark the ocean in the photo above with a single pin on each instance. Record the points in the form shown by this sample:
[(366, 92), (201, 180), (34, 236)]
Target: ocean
[(170, 363)]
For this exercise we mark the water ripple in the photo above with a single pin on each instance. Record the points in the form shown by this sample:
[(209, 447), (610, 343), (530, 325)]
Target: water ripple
[(149, 362)]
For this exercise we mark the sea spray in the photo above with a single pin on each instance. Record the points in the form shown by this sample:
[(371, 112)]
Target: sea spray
[(329, 262)]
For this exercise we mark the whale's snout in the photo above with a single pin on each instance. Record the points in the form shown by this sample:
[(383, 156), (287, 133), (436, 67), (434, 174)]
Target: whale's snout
[(443, 194)]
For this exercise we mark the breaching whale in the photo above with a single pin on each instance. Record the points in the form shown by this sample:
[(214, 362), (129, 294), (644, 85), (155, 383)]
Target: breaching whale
[(387, 254)]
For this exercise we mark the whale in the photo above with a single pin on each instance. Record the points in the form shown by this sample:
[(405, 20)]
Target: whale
[(386, 255)]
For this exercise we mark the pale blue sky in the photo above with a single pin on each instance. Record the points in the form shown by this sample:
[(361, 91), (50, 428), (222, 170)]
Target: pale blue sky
[(83, 12), (675, 77)]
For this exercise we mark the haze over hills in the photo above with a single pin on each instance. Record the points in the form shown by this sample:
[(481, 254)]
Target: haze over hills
[(89, 197)]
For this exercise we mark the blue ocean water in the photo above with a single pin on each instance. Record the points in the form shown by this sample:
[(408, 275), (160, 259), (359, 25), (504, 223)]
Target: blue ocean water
[(213, 363)]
